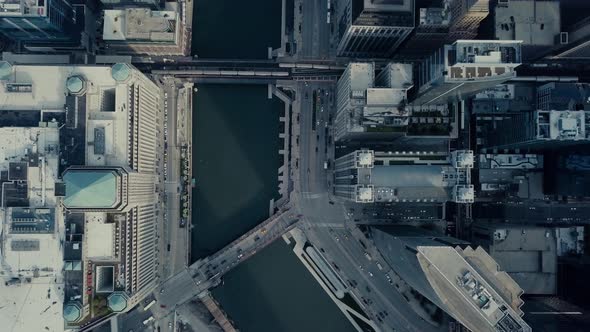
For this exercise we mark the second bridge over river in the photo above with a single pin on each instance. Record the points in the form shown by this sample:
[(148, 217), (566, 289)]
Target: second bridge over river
[(207, 272)]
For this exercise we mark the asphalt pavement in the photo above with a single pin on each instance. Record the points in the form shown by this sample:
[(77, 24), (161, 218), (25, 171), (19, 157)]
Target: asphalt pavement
[(328, 220), (314, 39)]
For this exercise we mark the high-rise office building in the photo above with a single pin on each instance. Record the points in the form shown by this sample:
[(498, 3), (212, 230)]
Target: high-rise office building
[(131, 3), (352, 176), (369, 107), (510, 176), (373, 28), (108, 120), (464, 282), (465, 67), (367, 176), (430, 34), (528, 253), (466, 16), (563, 96), (442, 22), (119, 190), (536, 23), (572, 178), (574, 42), (140, 30), (39, 21), (540, 130)]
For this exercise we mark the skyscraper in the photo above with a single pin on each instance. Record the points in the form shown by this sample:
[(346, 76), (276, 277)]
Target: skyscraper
[(373, 28), (528, 253), (464, 282), (38, 21), (542, 129), (140, 30), (574, 42), (536, 23), (367, 176), (443, 22), (109, 131), (431, 33), (369, 107), (466, 16), (465, 67)]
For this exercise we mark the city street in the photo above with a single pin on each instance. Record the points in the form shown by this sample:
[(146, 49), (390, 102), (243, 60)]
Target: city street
[(327, 219), (313, 37), (173, 241), (173, 238)]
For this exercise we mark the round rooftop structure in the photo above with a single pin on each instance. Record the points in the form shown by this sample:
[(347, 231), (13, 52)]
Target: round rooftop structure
[(117, 301), (75, 84), (5, 69), (120, 72), (72, 312)]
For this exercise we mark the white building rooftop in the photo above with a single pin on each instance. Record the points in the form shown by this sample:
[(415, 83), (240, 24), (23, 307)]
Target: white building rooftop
[(563, 125), (31, 259), (16, 143), (140, 24), (482, 59), (23, 8), (107, 102), (400, 75), (365, 158), (362, 76), (533, 22), (364, 194), (100, 237), (383, 97)]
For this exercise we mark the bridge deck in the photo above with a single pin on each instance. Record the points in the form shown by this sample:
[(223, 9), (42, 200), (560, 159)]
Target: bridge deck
[(217, 313), (206, 273)]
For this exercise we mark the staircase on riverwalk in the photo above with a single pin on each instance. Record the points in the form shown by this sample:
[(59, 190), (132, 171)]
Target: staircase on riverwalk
[(216, 311)]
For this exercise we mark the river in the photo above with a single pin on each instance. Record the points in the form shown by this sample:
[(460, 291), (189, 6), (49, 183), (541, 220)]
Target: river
[(231, 29), (274, 292), (236, 161), (235, 149)]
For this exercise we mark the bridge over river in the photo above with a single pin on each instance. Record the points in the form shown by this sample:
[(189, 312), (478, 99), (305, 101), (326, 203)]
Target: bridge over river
[(207, 272)]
